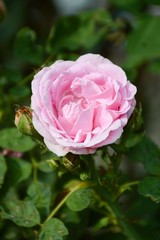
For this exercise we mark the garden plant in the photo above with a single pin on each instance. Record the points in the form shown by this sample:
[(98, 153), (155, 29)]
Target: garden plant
[(76, 159)]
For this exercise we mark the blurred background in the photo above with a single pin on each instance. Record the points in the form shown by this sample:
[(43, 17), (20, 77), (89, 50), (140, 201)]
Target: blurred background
[(35, 33)]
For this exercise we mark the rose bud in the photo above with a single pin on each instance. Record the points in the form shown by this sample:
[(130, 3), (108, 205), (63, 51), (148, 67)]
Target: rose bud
[(23, 121), (79, 106)]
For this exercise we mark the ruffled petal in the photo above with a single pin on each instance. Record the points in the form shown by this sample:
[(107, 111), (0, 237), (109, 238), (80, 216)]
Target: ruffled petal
[(56, 148)]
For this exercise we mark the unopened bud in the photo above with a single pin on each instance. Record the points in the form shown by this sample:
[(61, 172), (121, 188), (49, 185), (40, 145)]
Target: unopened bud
[(23, 121)]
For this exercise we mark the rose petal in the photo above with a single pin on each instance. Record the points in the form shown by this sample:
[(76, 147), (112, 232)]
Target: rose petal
[(114, 72), (84, 121), (102, 117), (94, 59), (57, 149)]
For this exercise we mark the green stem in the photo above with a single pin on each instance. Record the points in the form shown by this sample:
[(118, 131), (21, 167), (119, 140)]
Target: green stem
[(56, 209), (129, 231), (113, 206), (124, 187), (35, 165), (128, 185)]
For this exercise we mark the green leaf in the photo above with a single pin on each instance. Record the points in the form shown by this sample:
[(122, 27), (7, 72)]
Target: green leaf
[(53, 229), (103, 222), (18, 171), (80, 199), (40, 195), (43, 166), (74, 36), (150, 187), (133, 139), (145, 41), (26, 47), (77, 222), (147, 153), (3, 169), (46, 164), (13, 140), (23, 213)]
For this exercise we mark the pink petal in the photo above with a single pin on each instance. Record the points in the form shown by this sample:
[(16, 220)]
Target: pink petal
[(41, 128), (84, 121), (104, 135), (131, 90), (84, 151), (115, 72), (113, 137), (102, 117), (94, 59), (57, 149)]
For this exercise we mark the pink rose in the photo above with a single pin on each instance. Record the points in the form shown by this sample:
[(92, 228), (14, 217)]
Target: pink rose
[(81, 105)]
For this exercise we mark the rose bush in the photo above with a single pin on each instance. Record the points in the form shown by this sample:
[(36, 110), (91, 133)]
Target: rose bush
[(82, 105)]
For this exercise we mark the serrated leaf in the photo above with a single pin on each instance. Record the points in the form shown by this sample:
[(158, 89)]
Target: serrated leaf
[(40, 195), (26, 47), (22, 213), (80, 199), (11, 139), (3, 169), (53, 229), (150, 187), (148, 153)]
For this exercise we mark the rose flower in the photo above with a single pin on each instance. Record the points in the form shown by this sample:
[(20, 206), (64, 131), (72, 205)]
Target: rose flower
[(79, 106)]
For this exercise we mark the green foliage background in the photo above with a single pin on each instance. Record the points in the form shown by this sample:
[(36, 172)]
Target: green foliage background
[(39, 201)]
